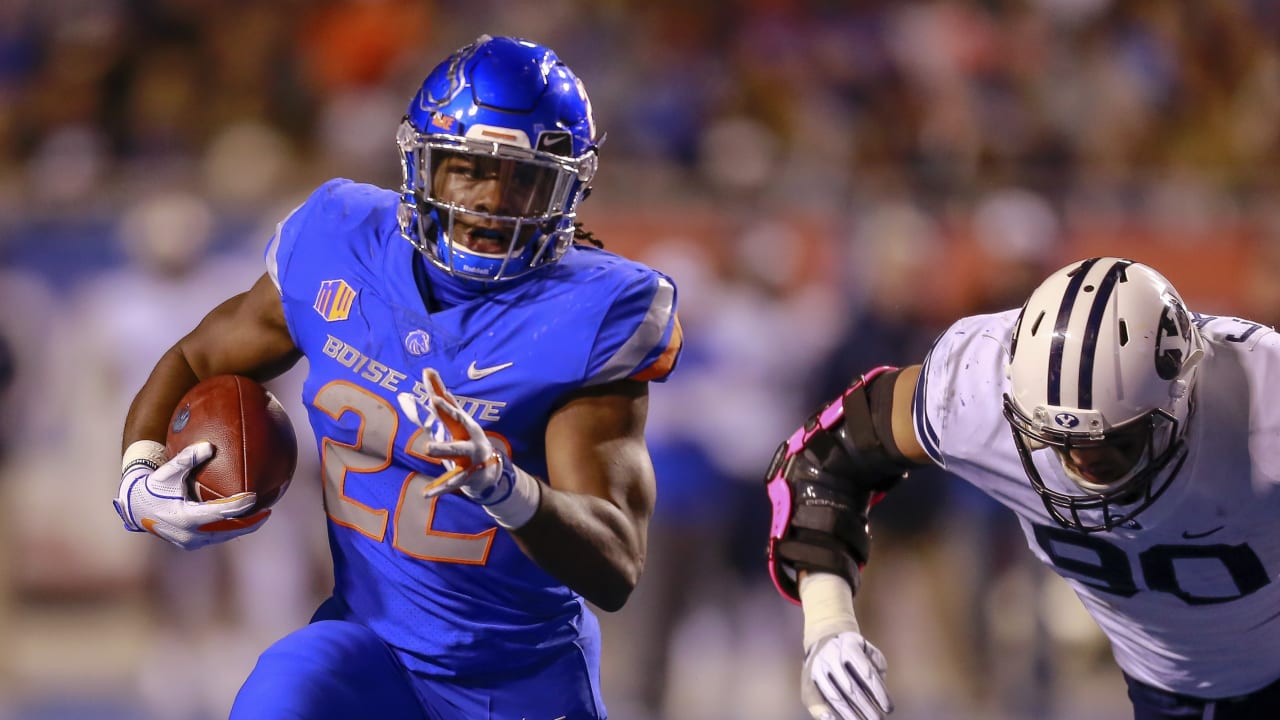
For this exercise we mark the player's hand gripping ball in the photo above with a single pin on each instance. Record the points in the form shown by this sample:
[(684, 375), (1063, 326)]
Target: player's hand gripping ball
[(255, 449), (229, 454)]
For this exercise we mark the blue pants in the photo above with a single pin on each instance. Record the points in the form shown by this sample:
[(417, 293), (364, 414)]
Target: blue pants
[(1154, 704), (341, 670)]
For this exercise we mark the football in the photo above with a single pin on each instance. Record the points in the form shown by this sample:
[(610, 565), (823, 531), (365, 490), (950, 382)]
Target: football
[(255, 446)]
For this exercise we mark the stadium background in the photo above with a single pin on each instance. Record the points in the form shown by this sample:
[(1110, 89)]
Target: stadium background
[(830, 183)]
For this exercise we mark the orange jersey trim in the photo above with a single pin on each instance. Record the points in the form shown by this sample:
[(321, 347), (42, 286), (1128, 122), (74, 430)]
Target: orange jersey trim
[(667, 360)]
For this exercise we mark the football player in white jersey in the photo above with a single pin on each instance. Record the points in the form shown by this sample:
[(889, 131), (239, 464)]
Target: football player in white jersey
[(1139, 448)]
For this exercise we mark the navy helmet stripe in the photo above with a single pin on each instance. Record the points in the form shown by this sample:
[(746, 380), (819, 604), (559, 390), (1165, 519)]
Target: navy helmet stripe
[(1060, 331), (1089, 348)]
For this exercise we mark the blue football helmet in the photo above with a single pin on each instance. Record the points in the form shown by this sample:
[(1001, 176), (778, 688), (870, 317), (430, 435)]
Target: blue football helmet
[(497, 149)]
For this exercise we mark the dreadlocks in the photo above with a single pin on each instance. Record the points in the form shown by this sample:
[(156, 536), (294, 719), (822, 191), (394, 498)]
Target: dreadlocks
[(580, 233)]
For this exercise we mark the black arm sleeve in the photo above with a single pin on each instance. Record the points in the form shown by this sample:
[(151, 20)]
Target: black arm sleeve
[(841, 465)]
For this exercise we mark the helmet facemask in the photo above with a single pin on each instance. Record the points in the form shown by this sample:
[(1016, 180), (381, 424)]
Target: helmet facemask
[(486, 210), (1119, 473)]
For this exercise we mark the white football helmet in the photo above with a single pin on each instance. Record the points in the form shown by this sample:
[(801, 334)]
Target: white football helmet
[(1102, 368)]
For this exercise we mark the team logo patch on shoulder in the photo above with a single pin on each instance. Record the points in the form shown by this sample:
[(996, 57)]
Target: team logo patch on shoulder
[(333, 302)]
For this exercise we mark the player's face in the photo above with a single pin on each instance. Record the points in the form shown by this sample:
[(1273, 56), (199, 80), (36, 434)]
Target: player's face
[(1109, 461), (491, 186)]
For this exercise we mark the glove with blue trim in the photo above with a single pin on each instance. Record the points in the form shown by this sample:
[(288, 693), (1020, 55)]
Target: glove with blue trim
[(153, 498), (473, 466)]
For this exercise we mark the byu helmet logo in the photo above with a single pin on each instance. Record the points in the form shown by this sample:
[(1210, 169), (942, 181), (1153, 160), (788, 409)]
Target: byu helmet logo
[(1172, 338), (1066, 420)]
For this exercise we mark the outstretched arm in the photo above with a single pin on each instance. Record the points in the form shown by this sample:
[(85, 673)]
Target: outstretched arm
[(824, 479), (822, 484)]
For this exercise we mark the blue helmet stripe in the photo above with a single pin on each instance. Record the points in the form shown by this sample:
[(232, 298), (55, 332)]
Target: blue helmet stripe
[(1089, 347), (1060, 331)]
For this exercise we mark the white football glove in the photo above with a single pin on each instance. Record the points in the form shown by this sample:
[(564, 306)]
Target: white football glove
[(843, 674), (482, 472), (843, 679), (153, 498)]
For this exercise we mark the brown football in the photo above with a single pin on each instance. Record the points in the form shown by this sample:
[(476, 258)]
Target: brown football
[(255, 446)]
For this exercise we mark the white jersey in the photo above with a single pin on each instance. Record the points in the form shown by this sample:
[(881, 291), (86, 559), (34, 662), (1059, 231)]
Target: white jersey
[(1188, 592)]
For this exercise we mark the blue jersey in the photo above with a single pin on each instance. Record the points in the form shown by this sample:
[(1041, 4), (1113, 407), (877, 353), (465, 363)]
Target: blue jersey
[(436, 578)]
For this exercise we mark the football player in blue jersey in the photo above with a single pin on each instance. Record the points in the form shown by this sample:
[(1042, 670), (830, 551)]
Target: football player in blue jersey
[(479, 396), (1135, 442)]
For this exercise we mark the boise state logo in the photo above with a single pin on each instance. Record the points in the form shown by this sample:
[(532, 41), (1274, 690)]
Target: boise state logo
[(417, 342), (1066, 420)]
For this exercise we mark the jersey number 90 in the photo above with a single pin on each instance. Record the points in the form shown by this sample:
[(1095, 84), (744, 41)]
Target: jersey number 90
[(1102, 565)]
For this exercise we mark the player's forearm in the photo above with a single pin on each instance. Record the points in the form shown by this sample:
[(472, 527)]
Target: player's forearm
[(587, 543), (827, 601), (148, 417), (246, 334)]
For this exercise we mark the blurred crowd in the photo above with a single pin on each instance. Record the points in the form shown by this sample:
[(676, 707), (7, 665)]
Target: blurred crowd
[(830, 182)]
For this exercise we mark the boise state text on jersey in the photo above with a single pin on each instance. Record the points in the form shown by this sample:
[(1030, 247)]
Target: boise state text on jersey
[(434, 577)]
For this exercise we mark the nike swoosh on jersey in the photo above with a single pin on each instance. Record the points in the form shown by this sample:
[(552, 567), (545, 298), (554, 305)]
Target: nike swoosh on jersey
[(1192, 536), (476, 373)]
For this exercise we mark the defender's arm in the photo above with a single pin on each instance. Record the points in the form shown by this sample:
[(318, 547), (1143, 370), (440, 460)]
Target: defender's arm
[(902, 422), (823, 482), (590, 529), (825, 478)]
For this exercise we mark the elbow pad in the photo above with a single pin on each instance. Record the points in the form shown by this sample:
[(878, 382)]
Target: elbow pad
[(823, 481)]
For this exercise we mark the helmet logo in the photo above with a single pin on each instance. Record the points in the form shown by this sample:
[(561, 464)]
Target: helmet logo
[(442, 121), (556, 142), (427, 100), (1066, 420), (1172, 339)]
